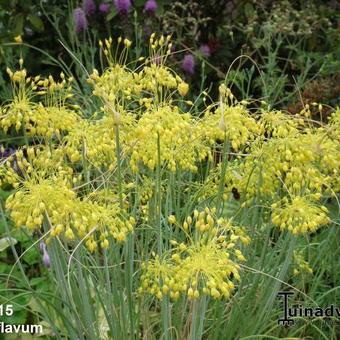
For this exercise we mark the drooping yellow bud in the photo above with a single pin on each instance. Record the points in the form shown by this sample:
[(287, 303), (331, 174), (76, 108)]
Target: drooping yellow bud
[(183, 89), (172, 219)]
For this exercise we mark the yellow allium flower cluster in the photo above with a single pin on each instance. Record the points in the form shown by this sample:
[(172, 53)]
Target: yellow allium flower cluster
[(118, 83), (231, 122), (49, 121), (8, 173), (289, 159), (299, 215), (303, 163), (114, 83), (203, 265), (170, 132), (300, 264), (52, 118), (155, 77), (274, 159), (37, 197), (106, 219), (34, 162), (92, 140), (16, 114), (52, 202), (277, 124)]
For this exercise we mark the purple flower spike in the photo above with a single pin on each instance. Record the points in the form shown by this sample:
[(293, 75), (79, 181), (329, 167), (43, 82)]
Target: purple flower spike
[(89, 7), (104, 8), (188, 64), (122, 6), (205, 50), (150, 6), (80, 22)]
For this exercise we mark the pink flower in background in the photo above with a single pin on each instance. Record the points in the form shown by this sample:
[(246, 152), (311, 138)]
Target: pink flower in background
[(150, 6), (89, 7), (46, 257), (188, 64), (122, 6), (80, 22), (205, 50), (104, 8)]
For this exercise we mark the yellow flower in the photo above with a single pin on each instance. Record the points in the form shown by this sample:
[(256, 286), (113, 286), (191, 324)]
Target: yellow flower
[(170, 133), (18, 39), (172, 219), (203, 265), (231, 122), (277, 124), (301, 266), (300, 215), (183, 89)]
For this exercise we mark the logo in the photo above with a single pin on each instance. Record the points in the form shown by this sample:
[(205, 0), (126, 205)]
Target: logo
[(289, 313)]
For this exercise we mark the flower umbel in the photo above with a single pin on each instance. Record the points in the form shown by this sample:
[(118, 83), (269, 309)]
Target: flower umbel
[(300, 215), (203, 265)]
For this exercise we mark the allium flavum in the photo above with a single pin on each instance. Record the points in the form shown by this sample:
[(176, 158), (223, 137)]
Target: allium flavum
[(51, 116), (277, 124), (173, 133), (230, 121), (52, 202), (92, 141), (284, 163), (299, 216), (202, 265), (301, 266)]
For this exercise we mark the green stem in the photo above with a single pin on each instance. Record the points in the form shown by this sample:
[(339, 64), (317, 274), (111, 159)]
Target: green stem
[(129, 247), (226, 147), (159, 197), (119, 173), (198, 316)]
